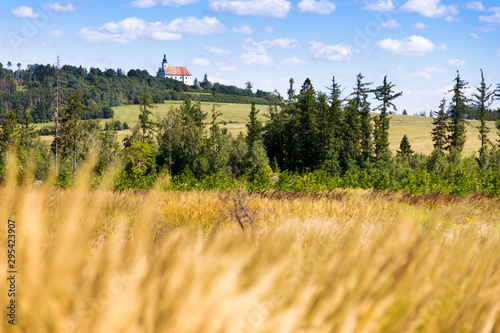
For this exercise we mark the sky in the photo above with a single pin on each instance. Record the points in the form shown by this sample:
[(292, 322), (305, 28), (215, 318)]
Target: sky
[(418, 44)]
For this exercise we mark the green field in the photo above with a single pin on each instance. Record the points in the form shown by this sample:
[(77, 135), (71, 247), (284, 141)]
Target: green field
[(417, 128)]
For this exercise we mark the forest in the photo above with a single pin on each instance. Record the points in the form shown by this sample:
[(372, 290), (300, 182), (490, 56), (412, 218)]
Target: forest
[(34, 87), (312, 141)]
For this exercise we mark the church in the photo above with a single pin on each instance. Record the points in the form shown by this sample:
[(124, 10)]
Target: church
[(176, 72)]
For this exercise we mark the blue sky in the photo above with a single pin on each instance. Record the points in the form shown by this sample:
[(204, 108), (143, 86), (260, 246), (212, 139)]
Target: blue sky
[(419, 44)]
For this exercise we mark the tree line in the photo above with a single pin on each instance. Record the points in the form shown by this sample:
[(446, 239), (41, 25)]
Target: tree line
[(311, 141)]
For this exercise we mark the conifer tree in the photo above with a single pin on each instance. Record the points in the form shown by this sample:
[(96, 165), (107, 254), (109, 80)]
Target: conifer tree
[(361, 104), (254, 127), (456, 126), (482, 101), (72, 131), (440, 130), (405, 147), (386, 95), (145, 113)]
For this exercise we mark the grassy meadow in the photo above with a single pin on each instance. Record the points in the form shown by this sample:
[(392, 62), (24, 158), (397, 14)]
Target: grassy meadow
[(349, 261)]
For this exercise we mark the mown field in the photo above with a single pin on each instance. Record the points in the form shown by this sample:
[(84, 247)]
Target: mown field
[(344, 261), (417, 128)]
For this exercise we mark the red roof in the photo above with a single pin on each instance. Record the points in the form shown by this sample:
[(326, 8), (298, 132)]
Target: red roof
[(177, 71)]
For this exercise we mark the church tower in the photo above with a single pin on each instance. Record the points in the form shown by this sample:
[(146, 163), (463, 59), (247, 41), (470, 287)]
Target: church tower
[(164, 65)]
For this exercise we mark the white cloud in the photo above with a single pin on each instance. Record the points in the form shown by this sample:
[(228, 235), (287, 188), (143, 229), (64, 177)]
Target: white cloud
[(269, 30), (227, 68), (494, 9), (133, 28), (495, 18), (24, 11), (282, 43), (194, 26), (392, 24), (417, 75), (323, 7), (294, 61), (475, 5), (339, 52), (55, 33), (254, 58), (411, 46), (216, 50), (475, 36), (57, 7), (152, 3), (429, 8), (380, 5), (201, 62), (249, 45), (142, 3), (457, 62), (420, 26), (244, 29), (261, 8), (442, 46)]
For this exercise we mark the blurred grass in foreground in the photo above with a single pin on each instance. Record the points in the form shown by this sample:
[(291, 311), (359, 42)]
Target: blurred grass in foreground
[(102, 261)]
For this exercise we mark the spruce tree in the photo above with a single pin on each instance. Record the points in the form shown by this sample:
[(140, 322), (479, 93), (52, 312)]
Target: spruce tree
[(482, 101), (405, 147), (456, 126), (254, 127), (386, 95), (145, 113), (440, 130), (72, 131), (360, 102)]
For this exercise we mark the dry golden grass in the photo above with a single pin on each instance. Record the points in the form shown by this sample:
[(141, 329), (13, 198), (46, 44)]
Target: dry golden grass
[(178, 262)]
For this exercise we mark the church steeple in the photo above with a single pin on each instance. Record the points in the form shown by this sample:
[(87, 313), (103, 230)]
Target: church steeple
[(164, 65)]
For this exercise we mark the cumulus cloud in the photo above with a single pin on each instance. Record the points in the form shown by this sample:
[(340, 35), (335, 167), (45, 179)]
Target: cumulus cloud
[(249, 45), (323, 7), (201, 62), (457, 62), (133, 28), (294, 61), (495, 18), (254, 58), (439, 70), (24, 11), (417, 75), (261, 8), (216, 50), (55, 33), (411, 46), (420, 26), (339, 52), (57, 7), (244, 29), (429, 8), (153, 3), (392, 24), (194, 26), (474, 35), (475, 5), (380, 5)]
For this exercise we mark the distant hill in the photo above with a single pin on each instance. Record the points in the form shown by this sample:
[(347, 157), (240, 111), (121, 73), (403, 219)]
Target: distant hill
[(32, 88)]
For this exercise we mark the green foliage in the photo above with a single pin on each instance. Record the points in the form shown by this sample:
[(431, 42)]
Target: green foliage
[(405, 147), (458, 108)]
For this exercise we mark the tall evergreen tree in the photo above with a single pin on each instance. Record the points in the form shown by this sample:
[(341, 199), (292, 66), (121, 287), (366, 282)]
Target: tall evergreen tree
[(72, 131), (254, 127), (456, 113), (331, 128), (308, 149), (482, 101), (56, 104), (349, 138), (440, 130), (360, 103), (386, 95), (145, 113)]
